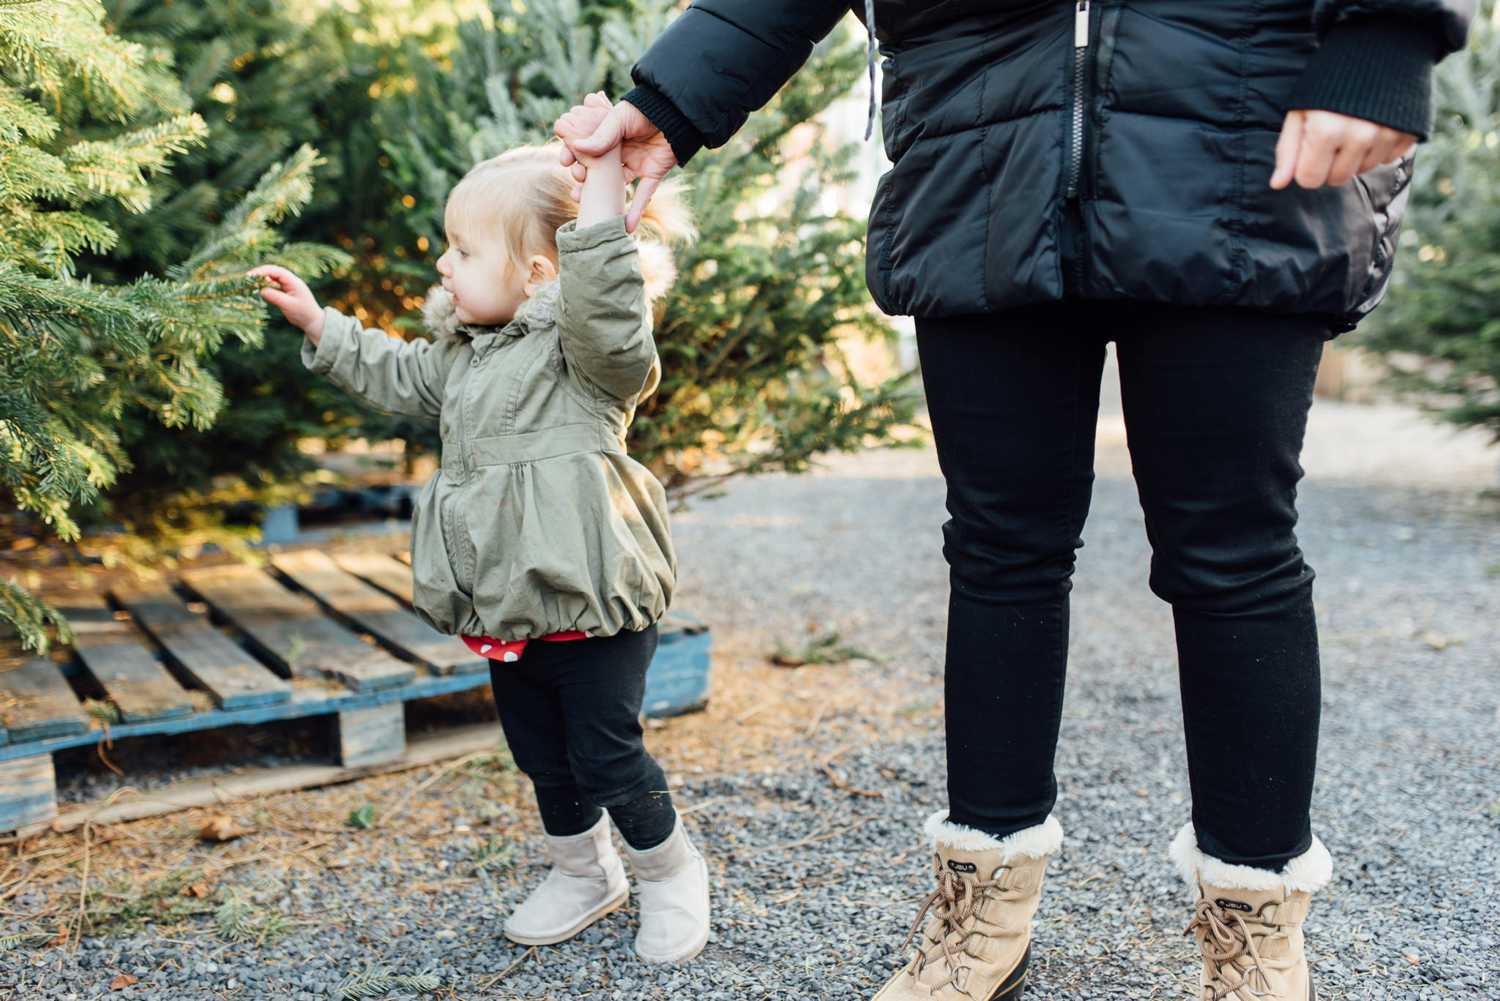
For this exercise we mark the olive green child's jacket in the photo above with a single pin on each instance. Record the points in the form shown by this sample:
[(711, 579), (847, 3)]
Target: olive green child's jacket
[(537, 521)]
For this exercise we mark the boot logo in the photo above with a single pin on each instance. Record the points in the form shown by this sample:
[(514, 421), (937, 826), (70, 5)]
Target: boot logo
[(967, 868), (1235, 905)]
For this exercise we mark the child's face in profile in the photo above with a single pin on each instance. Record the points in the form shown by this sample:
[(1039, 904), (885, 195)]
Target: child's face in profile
[(487, 288)]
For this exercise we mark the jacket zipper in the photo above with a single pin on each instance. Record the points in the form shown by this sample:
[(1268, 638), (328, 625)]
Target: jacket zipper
[(1080, 67), (1074, 210)]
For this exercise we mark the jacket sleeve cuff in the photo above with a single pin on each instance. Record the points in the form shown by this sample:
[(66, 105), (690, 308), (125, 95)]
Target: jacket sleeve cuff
[(320, 358), (1378, 68), (571, 238), (682, 134)]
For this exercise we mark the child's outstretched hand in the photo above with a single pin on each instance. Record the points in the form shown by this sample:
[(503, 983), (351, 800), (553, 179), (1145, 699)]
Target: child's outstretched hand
[(291, 295)]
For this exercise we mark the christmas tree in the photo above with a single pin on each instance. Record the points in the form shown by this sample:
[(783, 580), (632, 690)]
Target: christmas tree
[(86, 120), (267, 77), (750, 337), (1441, 326)]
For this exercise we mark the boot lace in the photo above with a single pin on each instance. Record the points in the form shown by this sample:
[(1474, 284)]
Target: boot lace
[(951, 905), (1226, 944)]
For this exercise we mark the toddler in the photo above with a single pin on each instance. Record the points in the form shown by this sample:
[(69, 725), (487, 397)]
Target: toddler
[(539, 540)]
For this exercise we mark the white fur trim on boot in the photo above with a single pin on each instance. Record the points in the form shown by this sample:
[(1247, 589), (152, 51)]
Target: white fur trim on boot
[(1040, 841), (1308, 872)]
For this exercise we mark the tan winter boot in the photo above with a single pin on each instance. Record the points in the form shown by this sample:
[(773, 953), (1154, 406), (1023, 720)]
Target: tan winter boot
[(1248, 923), (672, 890), (976, 941), (587, 881)]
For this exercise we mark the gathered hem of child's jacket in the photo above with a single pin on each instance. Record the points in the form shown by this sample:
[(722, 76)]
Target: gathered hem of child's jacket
[(510, 651)]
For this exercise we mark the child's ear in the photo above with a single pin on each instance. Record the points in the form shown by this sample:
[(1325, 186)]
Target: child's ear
[(541, 270)]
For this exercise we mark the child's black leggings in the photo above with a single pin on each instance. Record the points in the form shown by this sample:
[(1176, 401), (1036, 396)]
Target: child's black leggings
[(571, 715), (1215, 405)]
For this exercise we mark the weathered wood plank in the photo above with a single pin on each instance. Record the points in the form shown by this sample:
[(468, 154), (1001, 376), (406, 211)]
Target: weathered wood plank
[(385, 572), (35, 702), (28, 792), (216, 663), (372, 736), (116, 655), (375, 611), (292, 631)]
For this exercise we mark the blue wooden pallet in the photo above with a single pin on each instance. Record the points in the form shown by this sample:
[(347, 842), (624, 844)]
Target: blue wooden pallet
[(314, 636), (676, 683)]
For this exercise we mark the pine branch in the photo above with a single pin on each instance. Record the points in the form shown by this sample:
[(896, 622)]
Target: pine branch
[(117, 168), (374, 983)]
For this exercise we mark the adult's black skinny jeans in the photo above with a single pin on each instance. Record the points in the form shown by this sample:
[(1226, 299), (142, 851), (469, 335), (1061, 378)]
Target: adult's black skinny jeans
[(1215, 405)]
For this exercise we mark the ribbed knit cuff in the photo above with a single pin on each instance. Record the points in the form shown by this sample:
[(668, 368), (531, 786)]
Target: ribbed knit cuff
[(682, 134), (1378, 68)]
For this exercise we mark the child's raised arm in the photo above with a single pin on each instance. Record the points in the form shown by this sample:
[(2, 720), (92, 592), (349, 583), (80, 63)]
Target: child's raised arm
[(605, 322), (392, 375)]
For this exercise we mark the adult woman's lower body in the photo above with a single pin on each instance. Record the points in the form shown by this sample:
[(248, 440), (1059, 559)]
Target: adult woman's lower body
[(1215, 404)]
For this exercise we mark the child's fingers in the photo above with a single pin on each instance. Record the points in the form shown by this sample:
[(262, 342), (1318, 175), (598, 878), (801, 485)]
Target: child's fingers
[(597, 100)]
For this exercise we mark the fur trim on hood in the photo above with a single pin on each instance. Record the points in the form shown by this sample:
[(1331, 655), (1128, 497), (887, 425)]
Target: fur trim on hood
[(442, 322), (438, 315)]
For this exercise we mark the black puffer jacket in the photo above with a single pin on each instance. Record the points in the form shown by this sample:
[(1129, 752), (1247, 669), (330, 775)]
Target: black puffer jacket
[(1118, 149)]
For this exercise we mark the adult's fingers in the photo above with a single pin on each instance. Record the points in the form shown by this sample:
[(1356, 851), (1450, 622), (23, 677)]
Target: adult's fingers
[(1287, 145), (605, 138), (580, 173), (1383, 150), (643, 192), (1350, 155), (1320, 144)]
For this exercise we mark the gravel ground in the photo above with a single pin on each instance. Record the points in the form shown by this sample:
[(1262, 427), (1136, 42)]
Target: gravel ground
[(815, 886)]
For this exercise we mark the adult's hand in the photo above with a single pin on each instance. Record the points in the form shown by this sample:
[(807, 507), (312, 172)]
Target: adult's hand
[(643, 149), (1325, 147)]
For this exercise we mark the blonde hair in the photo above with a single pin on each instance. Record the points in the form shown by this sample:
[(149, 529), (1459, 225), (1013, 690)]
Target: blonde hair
[(523, 195)]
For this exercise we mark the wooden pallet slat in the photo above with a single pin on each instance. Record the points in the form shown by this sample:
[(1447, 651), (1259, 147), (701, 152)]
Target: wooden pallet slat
[(293, 632), (377, 612), (43, 704), (221, 667), (372, 736), (384, 571), (116, 655), (28, 792)]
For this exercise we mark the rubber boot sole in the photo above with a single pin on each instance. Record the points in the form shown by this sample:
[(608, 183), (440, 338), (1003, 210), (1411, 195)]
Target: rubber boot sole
[(607, 907), (1015, 984)]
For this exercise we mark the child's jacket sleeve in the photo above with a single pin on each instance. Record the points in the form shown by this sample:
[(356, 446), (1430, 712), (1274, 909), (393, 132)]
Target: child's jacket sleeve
[(604, 320), (396, 376)]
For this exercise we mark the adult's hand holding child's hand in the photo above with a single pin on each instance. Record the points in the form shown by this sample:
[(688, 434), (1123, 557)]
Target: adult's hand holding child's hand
[(291, 295), (644, 151), (579, 123)]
